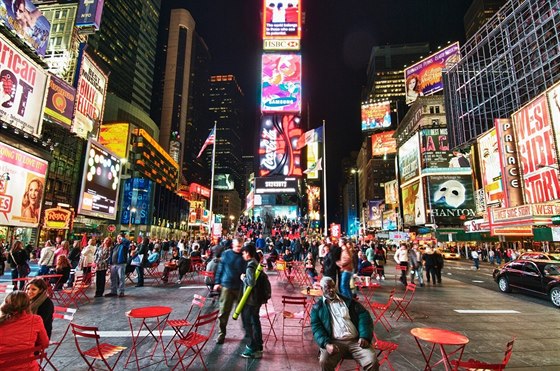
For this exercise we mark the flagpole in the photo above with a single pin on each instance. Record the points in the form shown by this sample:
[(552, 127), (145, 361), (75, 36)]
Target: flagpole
[(325, 232), (211, 216)]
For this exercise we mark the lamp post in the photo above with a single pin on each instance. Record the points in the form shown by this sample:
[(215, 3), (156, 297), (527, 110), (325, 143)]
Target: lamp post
[(131, 212), (231, 221)]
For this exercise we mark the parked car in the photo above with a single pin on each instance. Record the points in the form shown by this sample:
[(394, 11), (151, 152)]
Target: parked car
[(449, 254), (540, 255), (540, 277)]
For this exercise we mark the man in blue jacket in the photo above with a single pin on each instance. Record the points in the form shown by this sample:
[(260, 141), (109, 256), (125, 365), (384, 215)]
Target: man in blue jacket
[(342, 327), (228, 281), (117, 260)]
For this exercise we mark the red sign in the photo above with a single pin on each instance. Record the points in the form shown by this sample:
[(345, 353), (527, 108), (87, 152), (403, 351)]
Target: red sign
[(335, 231), (198, 189), (111, 228), (277, 150), (58, 218)]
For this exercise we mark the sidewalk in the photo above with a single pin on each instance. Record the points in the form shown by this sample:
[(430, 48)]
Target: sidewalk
[(433, 306)]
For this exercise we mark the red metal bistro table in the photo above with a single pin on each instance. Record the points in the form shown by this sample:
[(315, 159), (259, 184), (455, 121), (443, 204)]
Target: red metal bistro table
[(153, 320), (441, 338)]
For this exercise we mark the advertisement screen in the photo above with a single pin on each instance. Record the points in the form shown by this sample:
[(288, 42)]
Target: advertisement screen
[(114, 137), (383, 143), (276, 184), (451, 199), (281, 19), (100, 184), (435, 148), (490, 168), (414, 209), (136, 201), (376, 116), (60, 102), (24, 85), (277, 151), (224, 182), (90, 99), (27, 21), (375, 213), (390, 220), (21, 187), (89, 13), (281, 83), (314, 202), (312, 158), (392, 192), (425, 77), (537, 152), (409, 159)]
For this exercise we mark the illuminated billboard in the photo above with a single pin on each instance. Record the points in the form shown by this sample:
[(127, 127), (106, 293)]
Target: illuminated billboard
[(414, 210), (281, 19), (537, 152), (434, 148), (314, 202), (490, 168), (276, 184), (312, 158), (376, 116), (100, 183), (24, 85), (21, 187), (409, 159), (277, 146), (27, 21), (224, 182), (383, 143), (281, 83), (136, 201), (451, 199), (89, 14), (425, 77), (90, 98), (59, 107), (392, 192), (114, 137), (553, 95)]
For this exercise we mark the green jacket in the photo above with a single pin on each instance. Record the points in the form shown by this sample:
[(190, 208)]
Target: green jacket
[(321, 321)]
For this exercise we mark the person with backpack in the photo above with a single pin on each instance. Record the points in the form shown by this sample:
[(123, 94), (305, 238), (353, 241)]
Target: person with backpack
[(250, 312)]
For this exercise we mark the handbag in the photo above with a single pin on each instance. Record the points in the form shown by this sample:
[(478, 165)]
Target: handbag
[(137, 260)]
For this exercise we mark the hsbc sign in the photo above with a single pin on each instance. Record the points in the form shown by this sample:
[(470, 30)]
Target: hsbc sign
[(283, 44)]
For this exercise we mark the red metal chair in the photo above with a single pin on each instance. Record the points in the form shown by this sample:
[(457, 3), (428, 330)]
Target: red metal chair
[(384, 349), (367, 271), (152, 271), (178, 324), (301, 316), (64, 314), (100, 351), (379, 310), (403, 302), (479, 365), (6, 288), (270, 317), (195, 340), (10, 360), (73, 295)]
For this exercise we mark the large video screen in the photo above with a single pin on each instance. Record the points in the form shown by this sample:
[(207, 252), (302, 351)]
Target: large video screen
[(376, 116), (100, 183), (383, 143), (27, 21), (281, 83), (425, 77), (281, 19), (277, 146)]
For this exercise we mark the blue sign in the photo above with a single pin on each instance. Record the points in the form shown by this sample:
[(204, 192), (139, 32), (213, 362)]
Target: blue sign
[(136, 202)]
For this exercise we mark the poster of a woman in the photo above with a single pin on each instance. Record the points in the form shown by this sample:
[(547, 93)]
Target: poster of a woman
[(31, 202)]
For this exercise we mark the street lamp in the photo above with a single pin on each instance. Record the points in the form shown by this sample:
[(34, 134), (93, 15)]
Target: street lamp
[(130, 213), (231, 219)]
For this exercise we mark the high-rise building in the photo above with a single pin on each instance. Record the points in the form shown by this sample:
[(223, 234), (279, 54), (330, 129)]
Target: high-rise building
[(479, 13)]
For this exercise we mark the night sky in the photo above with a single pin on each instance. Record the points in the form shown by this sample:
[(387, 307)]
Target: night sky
[(337, 41)]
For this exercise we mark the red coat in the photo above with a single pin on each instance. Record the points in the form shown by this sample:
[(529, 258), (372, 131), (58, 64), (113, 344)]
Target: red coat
[(25, 332)]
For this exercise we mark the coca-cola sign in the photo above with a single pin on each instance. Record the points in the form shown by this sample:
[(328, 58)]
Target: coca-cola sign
[(277, 146)]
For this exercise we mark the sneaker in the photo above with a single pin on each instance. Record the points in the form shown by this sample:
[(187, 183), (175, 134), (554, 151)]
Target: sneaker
[(121, 295), (382, 277), (178, 282), (249, 353), (110, 295), (220, 339)]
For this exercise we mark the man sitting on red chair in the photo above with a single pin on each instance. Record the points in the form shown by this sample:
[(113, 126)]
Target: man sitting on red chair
[(342, 327)]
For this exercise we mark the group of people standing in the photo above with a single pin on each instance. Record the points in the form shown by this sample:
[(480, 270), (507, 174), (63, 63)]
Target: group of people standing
[(414, 262)]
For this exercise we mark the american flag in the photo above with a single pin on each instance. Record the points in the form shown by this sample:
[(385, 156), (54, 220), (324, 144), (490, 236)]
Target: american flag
[(210, 140)]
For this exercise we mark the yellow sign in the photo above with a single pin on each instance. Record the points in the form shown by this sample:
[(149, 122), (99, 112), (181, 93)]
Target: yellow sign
[(114, 137)]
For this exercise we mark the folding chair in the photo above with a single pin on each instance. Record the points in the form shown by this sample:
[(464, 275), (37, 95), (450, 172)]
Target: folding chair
[(62, 313), (403, 302), (177, 324), (270, 318), (367, 271), (100, 351), (6, 288), (479, 365), (281, 269), (72, 295), (197, 264), (379, 310), (152, 271), (195, 340), (384, 349), (297, 302), (18, 359)]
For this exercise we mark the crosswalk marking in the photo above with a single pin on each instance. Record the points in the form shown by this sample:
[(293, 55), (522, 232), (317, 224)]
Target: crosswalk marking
[(486, 311)]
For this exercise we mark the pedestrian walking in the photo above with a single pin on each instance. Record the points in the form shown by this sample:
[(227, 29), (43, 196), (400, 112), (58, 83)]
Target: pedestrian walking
[(475, 258), (250, 312)]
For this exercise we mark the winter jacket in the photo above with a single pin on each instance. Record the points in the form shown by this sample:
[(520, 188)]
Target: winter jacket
[(47, 256), (24, 332), (229, 270), (321, 321), (87, 257), (249, 280)]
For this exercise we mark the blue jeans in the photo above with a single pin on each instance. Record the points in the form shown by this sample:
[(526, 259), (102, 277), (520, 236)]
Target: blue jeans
[(117, 278), (345, 284), (140, 273), (252, 326)]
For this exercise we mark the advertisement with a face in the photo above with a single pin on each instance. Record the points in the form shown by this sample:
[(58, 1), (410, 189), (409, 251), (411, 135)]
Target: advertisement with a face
[(435, 153), (425, 77), (376, 116), (27, 21), (23, 89), (537, 152), (224, 182), (21, 187), (375, 213), (281, 19), (100, 184), (281, 83), (414, 210), (59, 107), (409, 160), (114, 137), (451, 199), (391, 192), (136, 201), (90, 98), (511, 174), (89, 13), (490, 168), (277, 150), (383, 143)]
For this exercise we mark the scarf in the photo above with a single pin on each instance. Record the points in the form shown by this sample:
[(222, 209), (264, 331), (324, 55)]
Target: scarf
[(35, 304)]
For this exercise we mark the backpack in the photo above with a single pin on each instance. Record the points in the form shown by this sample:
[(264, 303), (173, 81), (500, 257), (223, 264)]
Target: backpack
[(262, 289)]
